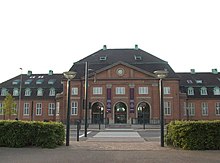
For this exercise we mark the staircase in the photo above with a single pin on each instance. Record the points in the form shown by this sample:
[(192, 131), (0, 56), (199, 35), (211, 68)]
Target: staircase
[(115, 126)]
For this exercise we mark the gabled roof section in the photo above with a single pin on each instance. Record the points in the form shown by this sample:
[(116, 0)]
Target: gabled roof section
[(134, 57)]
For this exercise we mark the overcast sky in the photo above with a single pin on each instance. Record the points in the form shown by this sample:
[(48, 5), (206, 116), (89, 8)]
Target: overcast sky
[(43, 35)]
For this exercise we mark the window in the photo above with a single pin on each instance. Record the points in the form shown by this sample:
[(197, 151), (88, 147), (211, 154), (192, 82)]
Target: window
[(216, 91), (74, 91), (1, 109), (217, 108), (190, 91), (120, 90), (51, 109), (137, 57), (58, 108), (204, 107), (38, 109), (166, 90), (74, 108), (97, 90), (167, 108), (4, 92), (40, 92), (27, 92), (203, 91), (15, 92), (39, 81), (191, 109), (28, 81), (143, 90), (51, 81), (14, 110), (26, 109), (52, 92), (103, 58), (15, 82), (189, 81), (199, 81)]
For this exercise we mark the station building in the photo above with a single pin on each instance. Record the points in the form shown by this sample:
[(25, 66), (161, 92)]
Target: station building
[(122, 89)]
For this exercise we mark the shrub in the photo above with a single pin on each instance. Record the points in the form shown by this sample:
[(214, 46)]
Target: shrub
[(194, 135), (24, 133)]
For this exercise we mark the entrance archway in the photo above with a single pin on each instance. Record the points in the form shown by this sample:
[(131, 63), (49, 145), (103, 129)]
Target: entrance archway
[(97, 113), (120, 113), (143, 112)]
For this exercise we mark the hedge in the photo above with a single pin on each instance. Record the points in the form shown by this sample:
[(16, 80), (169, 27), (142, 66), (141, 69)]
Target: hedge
[(194, 135), (25, 133)]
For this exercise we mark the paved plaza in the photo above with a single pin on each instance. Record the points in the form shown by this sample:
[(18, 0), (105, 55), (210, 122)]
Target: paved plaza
[(113, 146)]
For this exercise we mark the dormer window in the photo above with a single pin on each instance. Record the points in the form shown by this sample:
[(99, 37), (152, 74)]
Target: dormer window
[(137, 57), (203, 91), (199, 81), (103, 58), (40, 92), (189, 81), (51, 81), (4, 92), (15, 92), (39, 81), (27, 92), (190, 91), (41, 76), (28, 81), (15, 82), (216, 91), (52, 92)]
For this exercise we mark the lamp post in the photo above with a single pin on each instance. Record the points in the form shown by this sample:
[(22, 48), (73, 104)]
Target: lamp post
[(86, 96), (69, 75), (19, 101), (161, 74), (100, 111)]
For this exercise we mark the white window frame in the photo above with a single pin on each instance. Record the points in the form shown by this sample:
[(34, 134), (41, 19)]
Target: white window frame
[(27, 92), (4, 92), (38, 109), (74, 108), (51, 108), (15, 92), (217, 108), (97, 90), (1, 109), (15, 109), (75, 90), (191, 109), (190, 91), (26, 109), (120, 90), (143, 90), (216, 91), (39, 92), (57, 108), (52, 92), (167, 108), (203, 91), (204, 108), (166, 90)]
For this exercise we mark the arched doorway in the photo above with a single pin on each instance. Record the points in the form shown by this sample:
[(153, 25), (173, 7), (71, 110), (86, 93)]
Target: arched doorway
[(97, 113), (143, 112), (120, 113)]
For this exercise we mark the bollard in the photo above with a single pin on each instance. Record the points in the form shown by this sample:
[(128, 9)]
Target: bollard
[(78, 128)]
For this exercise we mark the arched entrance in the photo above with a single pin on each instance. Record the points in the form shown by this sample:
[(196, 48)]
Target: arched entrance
[(97, 113), (143, 112), (120, 113)]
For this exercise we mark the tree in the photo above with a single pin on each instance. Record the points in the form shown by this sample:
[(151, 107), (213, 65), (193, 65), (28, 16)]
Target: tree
[(9, 106)]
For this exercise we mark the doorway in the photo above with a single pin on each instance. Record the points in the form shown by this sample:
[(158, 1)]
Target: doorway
[(143, 112), (120, 113)]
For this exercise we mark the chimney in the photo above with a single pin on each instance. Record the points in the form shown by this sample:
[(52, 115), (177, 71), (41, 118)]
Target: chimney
[(29, 73), (50, 72), (136, 47), (104, 47), (192, 71), (215, 71)]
